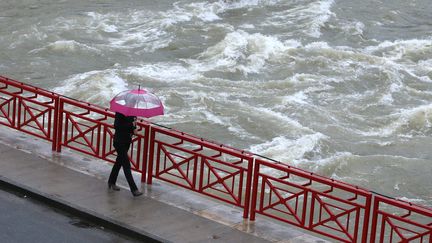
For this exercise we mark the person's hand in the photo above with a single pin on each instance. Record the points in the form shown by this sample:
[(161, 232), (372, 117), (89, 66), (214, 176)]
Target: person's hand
[(135, 130)]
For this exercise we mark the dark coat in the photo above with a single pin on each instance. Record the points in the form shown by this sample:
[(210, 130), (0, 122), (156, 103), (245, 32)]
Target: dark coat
[(124, 128)]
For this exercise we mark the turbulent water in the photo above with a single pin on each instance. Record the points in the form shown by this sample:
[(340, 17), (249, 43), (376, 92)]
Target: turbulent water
[(342, 88)]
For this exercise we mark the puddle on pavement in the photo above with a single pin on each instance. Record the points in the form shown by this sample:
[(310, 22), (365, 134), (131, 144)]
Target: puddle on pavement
[(80, 224)]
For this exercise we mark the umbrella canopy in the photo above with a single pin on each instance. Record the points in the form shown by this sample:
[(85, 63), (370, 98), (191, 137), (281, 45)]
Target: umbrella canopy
[(137, 102)]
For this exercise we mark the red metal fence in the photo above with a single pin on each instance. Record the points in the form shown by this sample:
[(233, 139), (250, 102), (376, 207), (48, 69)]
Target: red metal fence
[(28, 109), (310, 201), (214, 170), (259, 186), (399, 221)]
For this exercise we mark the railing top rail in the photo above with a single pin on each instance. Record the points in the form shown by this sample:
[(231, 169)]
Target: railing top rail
[(405, 205), (310, 175), (27, 87), (88, 106), (207, 143)]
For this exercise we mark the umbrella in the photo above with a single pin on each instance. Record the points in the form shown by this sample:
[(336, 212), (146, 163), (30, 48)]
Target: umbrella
[(137, 102)]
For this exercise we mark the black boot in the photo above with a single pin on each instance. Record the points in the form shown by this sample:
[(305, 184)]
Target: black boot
[(136, 193), (113, 187)]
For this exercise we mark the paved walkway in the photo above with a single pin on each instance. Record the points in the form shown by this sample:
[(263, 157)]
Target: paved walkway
[(164, 213)]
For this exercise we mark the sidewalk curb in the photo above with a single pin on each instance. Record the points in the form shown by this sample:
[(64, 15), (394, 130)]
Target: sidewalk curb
[(109, 223)]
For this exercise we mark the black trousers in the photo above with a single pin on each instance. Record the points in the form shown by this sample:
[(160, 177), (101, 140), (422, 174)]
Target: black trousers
[(122, 160)]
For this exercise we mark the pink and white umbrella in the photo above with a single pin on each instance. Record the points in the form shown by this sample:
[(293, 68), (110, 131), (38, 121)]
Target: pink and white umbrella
[(137, 102)]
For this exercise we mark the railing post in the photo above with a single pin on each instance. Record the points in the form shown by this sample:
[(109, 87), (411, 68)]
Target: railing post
[(146, 153), (248, 188), (374, 219), (254, 188), (14, 112), (366, 218), (104, 137), (56, 122), (151, 157), (18, 124), (98, 141), (59, 125)]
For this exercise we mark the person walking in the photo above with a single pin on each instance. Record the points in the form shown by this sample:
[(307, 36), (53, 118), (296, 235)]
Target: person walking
[(125, 127)]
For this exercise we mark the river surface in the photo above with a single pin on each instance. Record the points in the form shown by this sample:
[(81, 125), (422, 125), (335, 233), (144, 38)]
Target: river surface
[(341, 88)]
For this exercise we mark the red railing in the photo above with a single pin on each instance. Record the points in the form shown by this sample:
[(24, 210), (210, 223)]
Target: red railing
[(259, 186), (28, 109), (399, 221), (310, 201), (208, 168)]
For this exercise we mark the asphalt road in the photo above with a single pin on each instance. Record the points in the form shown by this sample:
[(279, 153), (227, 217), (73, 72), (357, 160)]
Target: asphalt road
[(23, 219)]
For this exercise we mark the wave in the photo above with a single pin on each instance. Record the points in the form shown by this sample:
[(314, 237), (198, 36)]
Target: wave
[(210, 11), (66, 46), (96, 87), (286, 150), (407, 122), (28, 33), (412, 56), (119, 30), (164, 72), (412, 50), (243, 52), (308, 18)]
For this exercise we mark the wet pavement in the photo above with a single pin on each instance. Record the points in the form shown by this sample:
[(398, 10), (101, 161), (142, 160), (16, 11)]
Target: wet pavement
[(164, 213), (24, 219)]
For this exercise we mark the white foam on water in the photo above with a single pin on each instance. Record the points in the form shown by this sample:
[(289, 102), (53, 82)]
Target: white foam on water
[(406, 54), (338, 157), (412, 200), (105, 23), (406, 50), (309, 18), (297, 98), (119, 30), (406, 122), (176, 15), (90, 22), (301, 78), (141, 29), (209, 116), (66, 46), (248, 3), (386, 99), (323, 8), (226, 122), (164, 72), (318, 45), (210, 11), (206, 11), (384, 59), (247, 26), (410, 56), (285, 119), (393, 58), (24, 35), (353, 27), (288, 150), (96, 87), (244, 52)]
